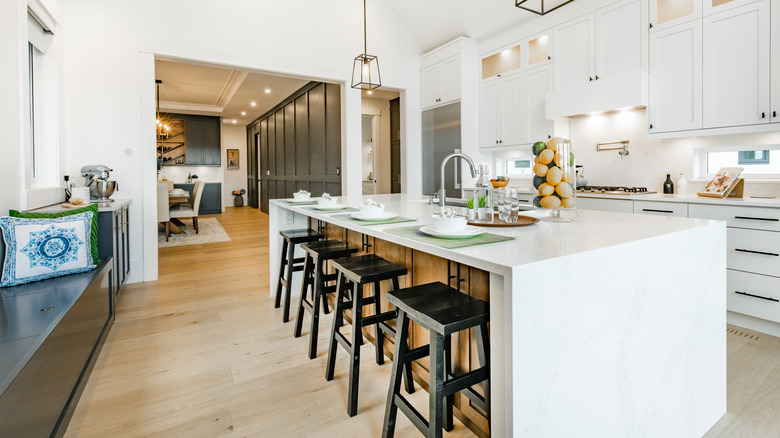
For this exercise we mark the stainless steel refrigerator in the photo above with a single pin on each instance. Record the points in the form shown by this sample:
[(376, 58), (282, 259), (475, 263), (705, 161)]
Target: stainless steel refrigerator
[(441, 137)]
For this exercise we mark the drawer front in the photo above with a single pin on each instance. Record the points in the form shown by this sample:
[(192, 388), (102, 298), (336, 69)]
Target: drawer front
[(677, 209), (617, 205), (753, 295), (754, 251), (757, 218)]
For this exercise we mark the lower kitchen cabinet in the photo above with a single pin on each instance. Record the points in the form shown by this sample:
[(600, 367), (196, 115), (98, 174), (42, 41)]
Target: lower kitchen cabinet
[(677, 209), (616, 205), (210, 200), (114, 241)]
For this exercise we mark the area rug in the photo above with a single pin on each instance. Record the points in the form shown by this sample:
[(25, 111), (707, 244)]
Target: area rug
[(209, 231)]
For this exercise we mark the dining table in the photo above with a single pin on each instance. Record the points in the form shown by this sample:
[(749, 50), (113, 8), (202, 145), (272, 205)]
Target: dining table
[(174, 199)]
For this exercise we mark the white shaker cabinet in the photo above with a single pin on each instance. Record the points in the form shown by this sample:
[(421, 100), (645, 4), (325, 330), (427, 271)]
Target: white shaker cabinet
[(775, 67), (710, 7), (668, 13), (537, 83), (573, 52), (440, 83), (736, 66), (675, 88), (500, 108)]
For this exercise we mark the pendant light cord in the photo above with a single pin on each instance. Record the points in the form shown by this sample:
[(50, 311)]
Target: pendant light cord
[(365, 43)]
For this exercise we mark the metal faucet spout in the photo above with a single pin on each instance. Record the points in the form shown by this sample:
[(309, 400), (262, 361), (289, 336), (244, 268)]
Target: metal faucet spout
[(442, 190)]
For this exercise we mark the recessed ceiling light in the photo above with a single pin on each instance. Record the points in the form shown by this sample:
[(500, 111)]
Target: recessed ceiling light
[(267, 90), (252, 103), (243, 113), (234, 121)]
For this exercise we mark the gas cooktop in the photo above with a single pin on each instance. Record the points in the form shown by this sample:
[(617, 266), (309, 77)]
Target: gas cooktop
[(614, 190)]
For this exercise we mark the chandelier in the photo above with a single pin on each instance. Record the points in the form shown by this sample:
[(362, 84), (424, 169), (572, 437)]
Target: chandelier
[(541, 7), (162, 127), (365, 69)]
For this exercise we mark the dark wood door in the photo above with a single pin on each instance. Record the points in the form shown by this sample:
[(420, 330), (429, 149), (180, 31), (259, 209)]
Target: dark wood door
[(395, 145), (253, 164)]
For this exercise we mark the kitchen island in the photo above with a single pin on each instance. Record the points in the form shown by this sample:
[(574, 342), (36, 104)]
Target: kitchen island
[(612, 325)]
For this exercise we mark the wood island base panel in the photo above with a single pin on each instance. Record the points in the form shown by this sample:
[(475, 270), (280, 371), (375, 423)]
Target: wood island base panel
[(607, 326)]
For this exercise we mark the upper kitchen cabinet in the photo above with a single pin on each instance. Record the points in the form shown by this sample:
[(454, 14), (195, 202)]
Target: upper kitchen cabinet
[(538, 50), (203, 139), (716, 6), (536, 83), (736, 66), (669, 13), (775, 66), (675, 81), (502, 62), (440, 83), (574, 51), (500, 109)]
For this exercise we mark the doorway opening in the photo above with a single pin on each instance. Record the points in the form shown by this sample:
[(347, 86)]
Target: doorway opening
[(381, 142)]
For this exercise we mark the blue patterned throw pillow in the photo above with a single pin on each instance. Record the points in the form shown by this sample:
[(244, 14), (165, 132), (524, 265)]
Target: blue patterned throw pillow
[(36, 249)]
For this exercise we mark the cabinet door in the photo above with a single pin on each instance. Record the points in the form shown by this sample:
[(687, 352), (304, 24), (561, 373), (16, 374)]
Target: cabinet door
[(488, 113), (450, 80), (716, 6), (573, 59), (736, 66), (193, 134), (429, 86), (126, 243), (119, 250), (675, 79), (775, 67), (618, 39), (668, 13), (537, 83), (212, 144), (511, 108)]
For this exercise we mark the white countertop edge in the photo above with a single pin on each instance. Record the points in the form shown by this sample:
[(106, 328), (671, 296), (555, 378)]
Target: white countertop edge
[(690, 199)]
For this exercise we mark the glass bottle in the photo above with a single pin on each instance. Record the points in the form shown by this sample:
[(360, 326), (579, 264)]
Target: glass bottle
[(483, 196), (682, 185), (668, 185)]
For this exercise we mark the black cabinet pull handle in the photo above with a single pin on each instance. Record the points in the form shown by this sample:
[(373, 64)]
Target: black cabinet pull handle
[(590, 78), (756, 296), (774, 113), (757, 252), (657, 211), (651, 25), (651, 126), (522, 200), (763, 115), (549, 136), (549, 57), (748, 218), (597, 77)]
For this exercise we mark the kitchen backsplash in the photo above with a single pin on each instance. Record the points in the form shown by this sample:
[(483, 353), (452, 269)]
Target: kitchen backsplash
[(178, 174)]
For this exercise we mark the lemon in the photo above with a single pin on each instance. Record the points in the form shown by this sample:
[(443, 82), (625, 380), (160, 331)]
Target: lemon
[(540, 170), (563, 189), (546, 189), (546, 156), (550, 202), (569, 202), (554, 175), (552, 143)]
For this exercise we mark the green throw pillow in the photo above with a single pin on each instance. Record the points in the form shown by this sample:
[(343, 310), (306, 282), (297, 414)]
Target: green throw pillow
[(91, 207)]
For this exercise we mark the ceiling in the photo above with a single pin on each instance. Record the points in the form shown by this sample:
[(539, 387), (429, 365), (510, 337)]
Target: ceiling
[(212, 90), (435, 22)]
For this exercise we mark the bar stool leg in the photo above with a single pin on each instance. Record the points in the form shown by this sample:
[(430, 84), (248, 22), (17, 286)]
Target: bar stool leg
[(408, 379), (399, 363), (315, 314), (282, 265), (338, 321), (290, 271), (324, 296), (448, 416), (483, 352), (380, 335), (308, 266), (436, 388), (357, 341)]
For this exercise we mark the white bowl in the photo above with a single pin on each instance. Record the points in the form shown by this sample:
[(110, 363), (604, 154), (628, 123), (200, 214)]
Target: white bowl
[(301, 196), (449, 223), (322, 202), (372, 210), (177, 191)]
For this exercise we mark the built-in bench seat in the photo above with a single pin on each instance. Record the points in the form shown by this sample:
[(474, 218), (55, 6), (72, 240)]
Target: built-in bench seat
[(51, 333)]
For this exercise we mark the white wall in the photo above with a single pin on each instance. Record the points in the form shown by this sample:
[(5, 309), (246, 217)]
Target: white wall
[(648, 161), (109, 77), (233, 137)]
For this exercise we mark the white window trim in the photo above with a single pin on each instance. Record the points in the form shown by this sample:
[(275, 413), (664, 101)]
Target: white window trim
[(700, 162)]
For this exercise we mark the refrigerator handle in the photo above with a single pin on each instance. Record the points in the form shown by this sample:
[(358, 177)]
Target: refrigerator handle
[(456, 168)]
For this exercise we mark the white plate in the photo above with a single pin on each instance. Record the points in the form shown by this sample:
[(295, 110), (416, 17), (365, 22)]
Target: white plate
[(335, 207), (302, 201), (463, 234), (385, 216)]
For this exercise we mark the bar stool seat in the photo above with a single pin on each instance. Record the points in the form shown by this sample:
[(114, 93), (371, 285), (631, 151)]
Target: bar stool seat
[(290, 264), (352, 274), (317, 253), (443, 311)]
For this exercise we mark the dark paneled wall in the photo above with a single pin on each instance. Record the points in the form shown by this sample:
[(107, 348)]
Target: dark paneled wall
[(298, 144)]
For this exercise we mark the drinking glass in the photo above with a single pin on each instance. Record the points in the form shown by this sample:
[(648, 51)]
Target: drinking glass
[(502, 202), (513, 210)]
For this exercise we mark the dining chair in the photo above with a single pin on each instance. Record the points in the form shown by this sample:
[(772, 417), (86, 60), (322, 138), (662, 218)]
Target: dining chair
[(170, 185), (163, 209), (185, 210)]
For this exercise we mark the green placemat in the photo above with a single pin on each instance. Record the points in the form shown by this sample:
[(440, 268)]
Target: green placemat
[(395, 220), (414, 233), (345, 210), (300, 202)]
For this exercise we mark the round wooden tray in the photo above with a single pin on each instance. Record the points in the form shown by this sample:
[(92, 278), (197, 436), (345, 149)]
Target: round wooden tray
[(521, 222)]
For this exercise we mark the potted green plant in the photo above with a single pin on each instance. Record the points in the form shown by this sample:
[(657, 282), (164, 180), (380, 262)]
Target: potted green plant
[(470, 208), (482, 207)]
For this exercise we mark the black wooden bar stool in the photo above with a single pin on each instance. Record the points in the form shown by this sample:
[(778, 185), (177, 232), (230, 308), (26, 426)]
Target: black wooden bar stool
[(317, 253), (288, 261), (441, 310), (352, 274)]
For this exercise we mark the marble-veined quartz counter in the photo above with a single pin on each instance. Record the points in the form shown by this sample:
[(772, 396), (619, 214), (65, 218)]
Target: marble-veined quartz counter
[(612, 325)]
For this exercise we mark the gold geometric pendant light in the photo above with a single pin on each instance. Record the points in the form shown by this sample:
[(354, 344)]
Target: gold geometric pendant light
[(365, 69), (541, 7)]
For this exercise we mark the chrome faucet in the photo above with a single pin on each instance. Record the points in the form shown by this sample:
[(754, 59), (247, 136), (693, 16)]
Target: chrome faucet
[(442, 190)]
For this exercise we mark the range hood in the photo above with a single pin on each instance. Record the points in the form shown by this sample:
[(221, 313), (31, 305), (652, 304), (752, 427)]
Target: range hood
[(618, 92)]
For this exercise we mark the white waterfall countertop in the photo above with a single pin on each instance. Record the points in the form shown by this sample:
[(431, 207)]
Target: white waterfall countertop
[(611, 325)]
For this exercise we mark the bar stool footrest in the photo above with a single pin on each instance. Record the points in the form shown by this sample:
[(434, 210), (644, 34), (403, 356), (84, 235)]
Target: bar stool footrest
[(413, 414)]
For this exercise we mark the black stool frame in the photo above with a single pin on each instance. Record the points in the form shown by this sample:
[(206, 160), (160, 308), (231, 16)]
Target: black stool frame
[(290, 264)]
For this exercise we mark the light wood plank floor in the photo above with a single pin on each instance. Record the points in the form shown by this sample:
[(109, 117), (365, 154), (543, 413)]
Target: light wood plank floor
[(202, 353)]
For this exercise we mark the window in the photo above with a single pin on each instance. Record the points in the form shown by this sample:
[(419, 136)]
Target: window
[(518, 167), (759, 162), (516, 164)]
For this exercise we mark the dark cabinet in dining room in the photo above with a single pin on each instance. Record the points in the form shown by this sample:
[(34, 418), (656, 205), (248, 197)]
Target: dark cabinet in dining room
[(202, 140), (210, 200)]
